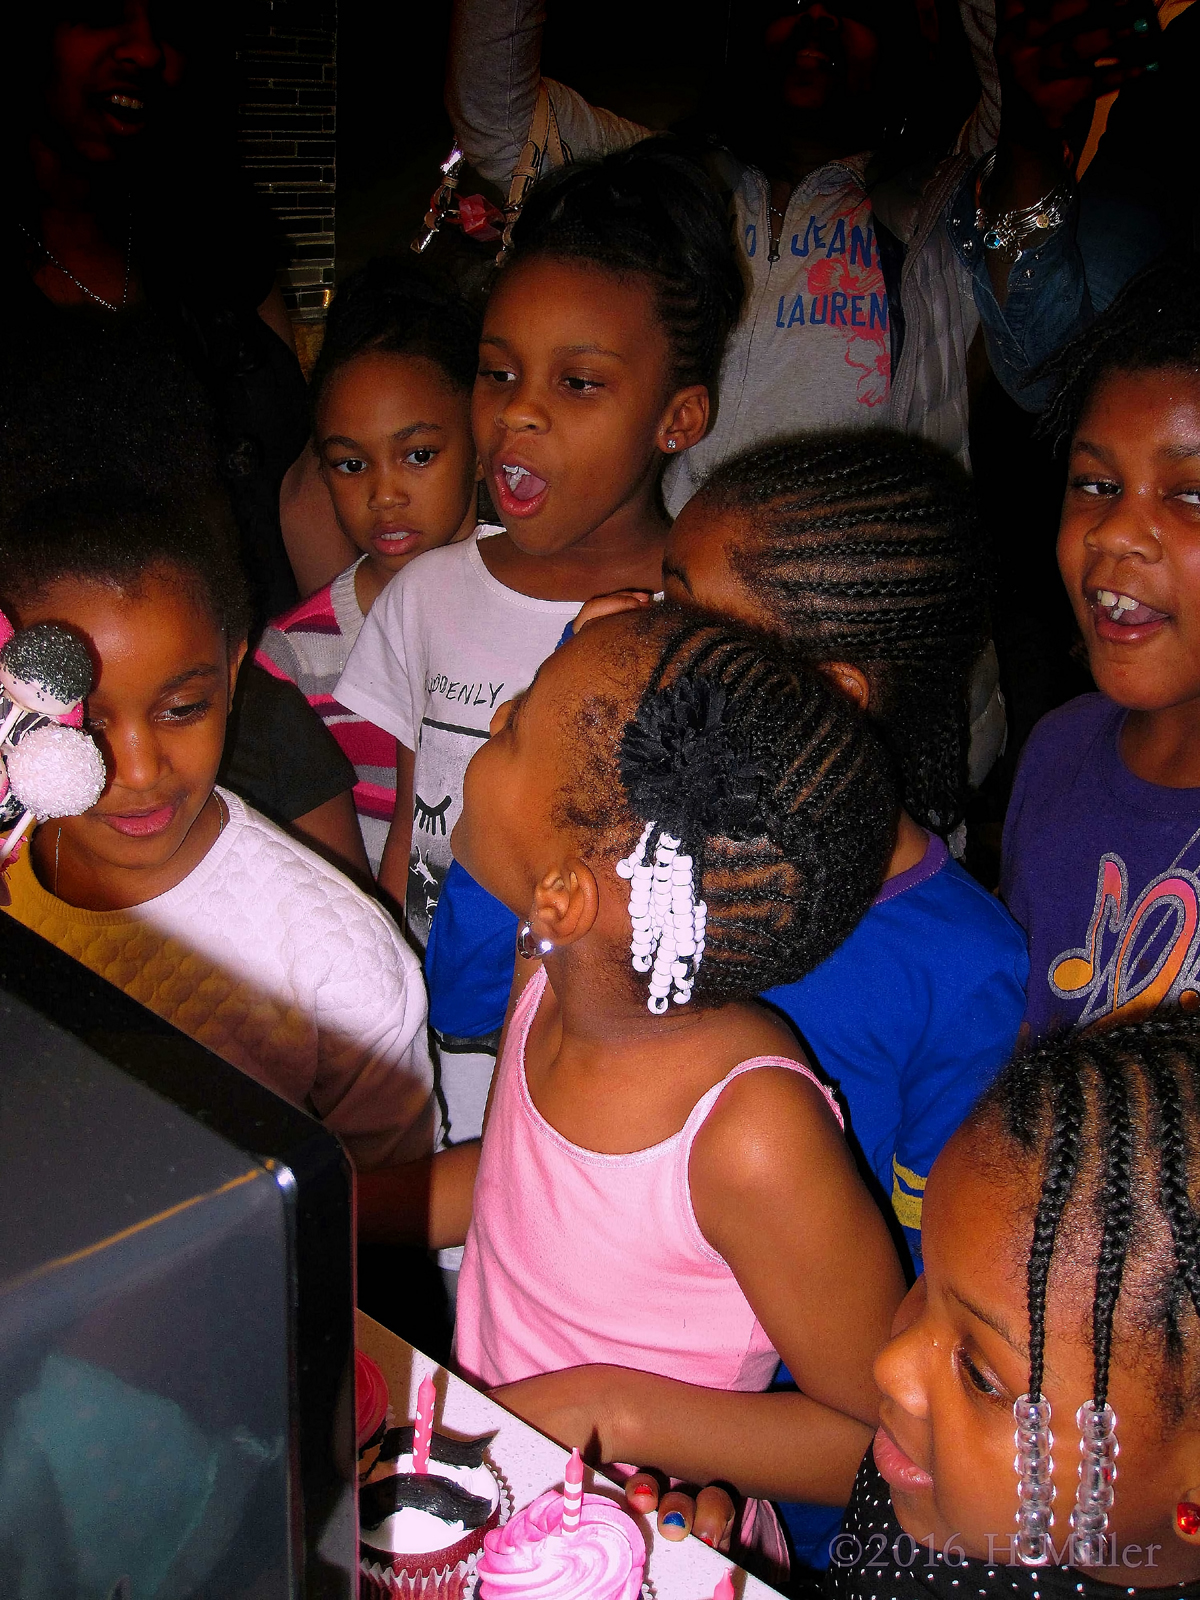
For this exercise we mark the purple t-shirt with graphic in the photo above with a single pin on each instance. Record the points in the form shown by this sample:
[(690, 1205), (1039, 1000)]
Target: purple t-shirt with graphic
[(1102, 870)]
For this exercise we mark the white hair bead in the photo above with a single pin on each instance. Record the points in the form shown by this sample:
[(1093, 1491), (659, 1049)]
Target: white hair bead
[(666, 923)]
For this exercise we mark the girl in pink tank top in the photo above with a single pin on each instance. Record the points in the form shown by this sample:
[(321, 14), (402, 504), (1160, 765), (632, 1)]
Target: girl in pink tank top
[(663, 1204)]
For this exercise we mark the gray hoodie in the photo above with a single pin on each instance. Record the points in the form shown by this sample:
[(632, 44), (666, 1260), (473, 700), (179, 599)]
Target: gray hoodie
[(815, 345)]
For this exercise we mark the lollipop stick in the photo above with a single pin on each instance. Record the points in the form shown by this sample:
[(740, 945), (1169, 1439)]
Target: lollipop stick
[(6, 727), (15, 837)]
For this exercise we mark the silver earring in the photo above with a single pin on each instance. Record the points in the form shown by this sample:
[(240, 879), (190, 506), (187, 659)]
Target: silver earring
[(529, 948), (670, 444)]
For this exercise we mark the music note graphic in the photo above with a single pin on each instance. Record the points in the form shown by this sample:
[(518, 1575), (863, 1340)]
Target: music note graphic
[(1076, 971), (1183, 893)]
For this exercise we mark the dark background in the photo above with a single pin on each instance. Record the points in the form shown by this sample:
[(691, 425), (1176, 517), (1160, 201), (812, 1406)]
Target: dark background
[(641, 60)]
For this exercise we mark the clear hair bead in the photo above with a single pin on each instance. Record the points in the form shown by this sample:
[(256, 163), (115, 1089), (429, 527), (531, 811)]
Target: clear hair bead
[(1034, 1465), (1098, 1451)]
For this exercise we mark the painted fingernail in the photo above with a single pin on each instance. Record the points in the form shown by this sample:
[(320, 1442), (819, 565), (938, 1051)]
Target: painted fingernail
[(707, 1538), (674, 1519)]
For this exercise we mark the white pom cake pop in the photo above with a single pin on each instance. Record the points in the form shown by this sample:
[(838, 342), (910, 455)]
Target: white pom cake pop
[(45, 671), (54, 772)]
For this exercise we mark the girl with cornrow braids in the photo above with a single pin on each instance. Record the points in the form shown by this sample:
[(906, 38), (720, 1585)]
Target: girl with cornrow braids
[(861, 554), (1060, 1306), (663, 1200)]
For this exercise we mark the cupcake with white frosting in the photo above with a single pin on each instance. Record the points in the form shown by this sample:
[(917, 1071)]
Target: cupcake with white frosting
[(421, 1532)]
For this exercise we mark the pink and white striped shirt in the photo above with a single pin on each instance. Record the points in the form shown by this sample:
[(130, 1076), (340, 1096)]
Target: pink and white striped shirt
[(309, 645)]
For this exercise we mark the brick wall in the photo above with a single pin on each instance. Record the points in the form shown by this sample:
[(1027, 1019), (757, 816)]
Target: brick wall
[(287, 122)]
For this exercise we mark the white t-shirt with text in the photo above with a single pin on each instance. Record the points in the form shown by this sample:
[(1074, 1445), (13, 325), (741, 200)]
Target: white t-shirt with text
[(442, 647)]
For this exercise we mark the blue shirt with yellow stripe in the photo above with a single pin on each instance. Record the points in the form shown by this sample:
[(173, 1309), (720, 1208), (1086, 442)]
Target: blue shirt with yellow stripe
[(911, 1018)]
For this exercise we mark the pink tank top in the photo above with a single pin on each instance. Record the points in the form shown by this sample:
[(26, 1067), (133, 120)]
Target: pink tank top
[(575, 1257)]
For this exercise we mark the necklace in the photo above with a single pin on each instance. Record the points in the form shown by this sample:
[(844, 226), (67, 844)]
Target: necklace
[(222, 818), (82, 287)]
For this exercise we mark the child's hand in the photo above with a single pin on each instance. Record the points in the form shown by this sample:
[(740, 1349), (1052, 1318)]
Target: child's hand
[(607, 605), (1059, 54), (709, 1515), (573, 1406), (580, 1407)]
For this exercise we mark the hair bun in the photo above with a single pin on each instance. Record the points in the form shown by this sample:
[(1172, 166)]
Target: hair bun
[(679, 765)]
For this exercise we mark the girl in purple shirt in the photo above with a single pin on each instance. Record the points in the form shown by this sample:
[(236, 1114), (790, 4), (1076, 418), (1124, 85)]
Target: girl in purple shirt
[(1102, 841)]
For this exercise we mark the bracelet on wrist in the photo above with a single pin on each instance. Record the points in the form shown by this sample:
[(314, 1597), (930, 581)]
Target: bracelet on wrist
[(1026, 224)]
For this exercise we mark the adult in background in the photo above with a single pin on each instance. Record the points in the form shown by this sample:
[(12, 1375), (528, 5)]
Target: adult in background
[(128, 208), (861, 309), (1060, 64)]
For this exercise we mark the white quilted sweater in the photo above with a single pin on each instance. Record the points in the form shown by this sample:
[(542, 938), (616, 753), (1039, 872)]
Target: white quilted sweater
[(272, 959)]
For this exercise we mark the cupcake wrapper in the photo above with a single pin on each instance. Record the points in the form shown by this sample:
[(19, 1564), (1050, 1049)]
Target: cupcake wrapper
[(455, 1583), (473, 1590)]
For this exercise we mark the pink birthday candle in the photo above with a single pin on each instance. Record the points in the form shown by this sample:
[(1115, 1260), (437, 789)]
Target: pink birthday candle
[(423, 1432), (572, 1493), (724, 1589)]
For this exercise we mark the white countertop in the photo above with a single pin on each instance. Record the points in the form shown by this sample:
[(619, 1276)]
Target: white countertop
[(531, 1463)]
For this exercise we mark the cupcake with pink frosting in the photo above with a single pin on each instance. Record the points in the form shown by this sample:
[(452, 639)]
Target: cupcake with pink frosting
[(601, 1558)]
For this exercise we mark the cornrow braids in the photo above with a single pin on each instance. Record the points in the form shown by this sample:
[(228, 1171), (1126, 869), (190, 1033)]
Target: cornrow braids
[(770, 783), (1058, 1179), (865, 547), (1173, 1187), (1116, 1211), (651, 212), (1115, 1117), (1152, 325), (394, 306)]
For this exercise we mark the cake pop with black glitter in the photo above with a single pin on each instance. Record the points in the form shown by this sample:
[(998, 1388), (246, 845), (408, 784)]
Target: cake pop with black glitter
[(45, 671)]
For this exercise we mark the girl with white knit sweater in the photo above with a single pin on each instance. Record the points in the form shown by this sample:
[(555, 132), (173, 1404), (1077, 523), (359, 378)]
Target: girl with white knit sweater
[(173, 888)]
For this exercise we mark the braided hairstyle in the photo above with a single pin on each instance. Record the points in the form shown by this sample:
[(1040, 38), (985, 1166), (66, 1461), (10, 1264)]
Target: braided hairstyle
[(1152, 326), (1114, 1120), (649, 212), (775, 785), (865, 547), (393, 306)]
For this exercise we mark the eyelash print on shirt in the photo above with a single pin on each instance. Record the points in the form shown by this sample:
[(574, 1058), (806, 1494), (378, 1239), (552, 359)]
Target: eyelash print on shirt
[(432, 819)]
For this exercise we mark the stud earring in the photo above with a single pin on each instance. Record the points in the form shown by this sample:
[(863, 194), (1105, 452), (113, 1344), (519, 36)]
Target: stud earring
[(670, 444), (1187, 1519), (529, 948)]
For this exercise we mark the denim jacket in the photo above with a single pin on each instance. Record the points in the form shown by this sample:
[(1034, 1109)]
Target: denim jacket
[(1058, 288)]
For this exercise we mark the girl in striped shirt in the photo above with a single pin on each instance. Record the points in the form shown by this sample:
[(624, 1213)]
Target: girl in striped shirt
[(391, 399)]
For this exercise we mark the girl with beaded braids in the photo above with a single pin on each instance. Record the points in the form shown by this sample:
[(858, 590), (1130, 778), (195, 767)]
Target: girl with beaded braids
[(663, 1199), (1059, 1306)]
